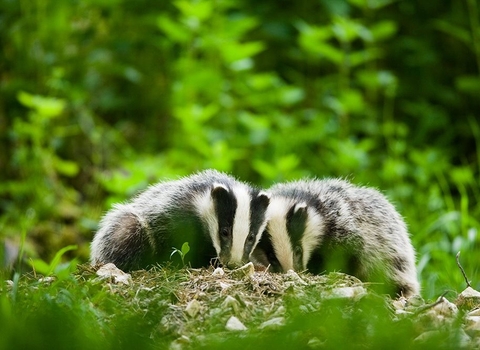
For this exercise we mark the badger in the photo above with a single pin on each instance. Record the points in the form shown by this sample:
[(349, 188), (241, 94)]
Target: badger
[(332, 225), (219, 216)]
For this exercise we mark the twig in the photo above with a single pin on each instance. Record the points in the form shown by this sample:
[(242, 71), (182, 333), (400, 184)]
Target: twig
[(439, 301), (463, 271)]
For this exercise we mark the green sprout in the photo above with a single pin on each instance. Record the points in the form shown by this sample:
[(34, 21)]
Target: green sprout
[(182, 252)]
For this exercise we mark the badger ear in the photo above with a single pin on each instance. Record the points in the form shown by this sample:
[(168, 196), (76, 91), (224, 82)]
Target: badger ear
[(219, 190), (263, 199), (296, 220), (220, 194), (300, 210)]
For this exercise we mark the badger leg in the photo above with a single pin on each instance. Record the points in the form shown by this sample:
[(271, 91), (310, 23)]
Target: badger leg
[(393, 275), (405, 277)]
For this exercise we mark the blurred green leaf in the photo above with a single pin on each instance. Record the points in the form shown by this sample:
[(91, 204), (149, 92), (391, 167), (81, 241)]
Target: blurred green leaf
[(233, 52), (462, 175), (200, 10), (346, 30), (371, 4), (291, 95), (194, 114), (263, 81), (311, 36), (469, 84), (65, 167), (46, 106), (383, 30), (173, 30), (461, 34), (349, 101), (40, 266), (329, 52), (378, 79), (47, 269), (242, 64), (361, 57)]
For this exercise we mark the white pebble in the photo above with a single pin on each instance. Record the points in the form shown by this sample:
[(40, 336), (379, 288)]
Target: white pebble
[(218, 272), (110, 271), (273, 323), (231, 302), (346, 293), (234, 324), (193, 307)]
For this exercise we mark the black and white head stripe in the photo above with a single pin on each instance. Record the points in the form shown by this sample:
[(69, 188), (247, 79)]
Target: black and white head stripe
[(210, 210), (294, 229), (235, 215), (327, 225), (258, 221)]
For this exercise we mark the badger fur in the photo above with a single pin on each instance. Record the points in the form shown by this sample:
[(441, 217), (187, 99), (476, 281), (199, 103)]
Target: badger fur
[(216, 214), (327, 225)]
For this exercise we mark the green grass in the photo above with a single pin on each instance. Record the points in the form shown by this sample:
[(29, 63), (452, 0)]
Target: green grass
[(81, 311)]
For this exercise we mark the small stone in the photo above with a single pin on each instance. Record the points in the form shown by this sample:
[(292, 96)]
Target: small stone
[(218, 272), (234, 324), (469, 298), (274, 323), (295, 277), (246, 270), (224, 285), (474, 312), (193, 307), (231, 302), (114, 274), (472, 320), (463, 339), (472, 325), (445, 308), (435, 320), (303, 308), (400, 303), (315, 343), (402, 312), (47, 280), (425, 336), (414, 303), (347, 293), (280, 311), (469, 292), (180, 343)]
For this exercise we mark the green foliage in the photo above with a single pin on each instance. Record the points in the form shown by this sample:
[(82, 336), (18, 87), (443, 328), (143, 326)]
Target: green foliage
[(181, 252), (100, 99), (84, 312), (60, 270)]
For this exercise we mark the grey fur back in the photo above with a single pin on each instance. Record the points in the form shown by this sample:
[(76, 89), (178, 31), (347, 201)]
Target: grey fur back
[(143, 231), (334, 225)]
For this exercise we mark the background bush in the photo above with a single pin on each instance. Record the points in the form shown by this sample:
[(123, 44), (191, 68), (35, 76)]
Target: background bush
[(100, 98)]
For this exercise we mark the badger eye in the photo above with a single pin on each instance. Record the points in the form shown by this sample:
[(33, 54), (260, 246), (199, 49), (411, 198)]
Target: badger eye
[(225, 232), (251, 238)]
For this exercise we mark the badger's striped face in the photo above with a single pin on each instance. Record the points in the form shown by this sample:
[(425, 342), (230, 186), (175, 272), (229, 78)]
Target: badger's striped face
[(290, 237), (276, 240), (234, 216)]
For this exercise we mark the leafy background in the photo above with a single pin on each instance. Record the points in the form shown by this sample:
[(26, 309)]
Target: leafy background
[(100, 98)]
